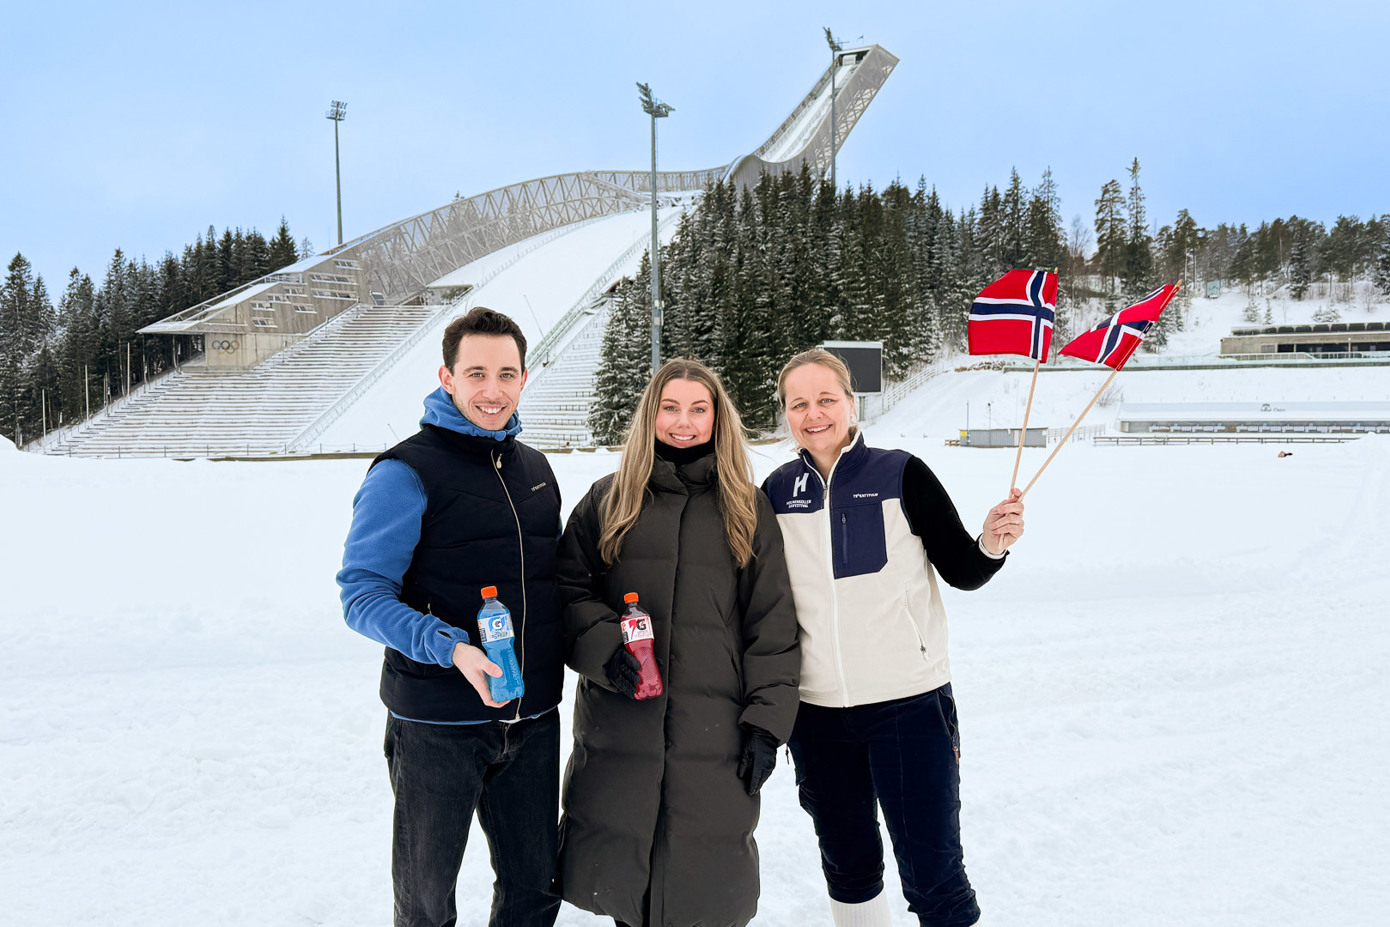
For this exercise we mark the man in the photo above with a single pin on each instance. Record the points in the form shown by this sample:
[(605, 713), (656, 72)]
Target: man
[(459, 506)]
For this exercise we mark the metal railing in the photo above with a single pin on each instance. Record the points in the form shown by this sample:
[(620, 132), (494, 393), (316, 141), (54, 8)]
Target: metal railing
[(1080, 434), (542, 354), (465, 302), (1141, 440)]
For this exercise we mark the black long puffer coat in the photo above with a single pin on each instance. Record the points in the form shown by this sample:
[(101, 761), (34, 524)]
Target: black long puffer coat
[(658, 828)]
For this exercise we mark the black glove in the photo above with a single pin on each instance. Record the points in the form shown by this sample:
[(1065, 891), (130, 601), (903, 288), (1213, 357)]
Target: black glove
[(624, 671), (759, 758)]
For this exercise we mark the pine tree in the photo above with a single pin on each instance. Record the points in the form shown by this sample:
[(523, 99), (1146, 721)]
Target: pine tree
[(16, 295), (1301, 265), (1046, 240), (1137, 277), (1382, 275), (282, 252), (1111, 237), (1013, 249), (77, 317), (626, 359)]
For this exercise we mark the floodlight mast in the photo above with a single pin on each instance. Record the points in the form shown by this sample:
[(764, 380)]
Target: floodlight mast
[(835, 50), (657, 110), (337, 112)]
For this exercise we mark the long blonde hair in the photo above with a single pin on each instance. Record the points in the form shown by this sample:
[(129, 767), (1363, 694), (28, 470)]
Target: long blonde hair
[(738, 500)]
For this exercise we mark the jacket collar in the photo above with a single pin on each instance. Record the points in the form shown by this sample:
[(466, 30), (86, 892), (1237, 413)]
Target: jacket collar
[(441, 412), (852, 456)]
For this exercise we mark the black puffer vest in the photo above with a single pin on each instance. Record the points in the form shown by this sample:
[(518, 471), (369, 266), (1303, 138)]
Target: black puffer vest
[(492, 516)]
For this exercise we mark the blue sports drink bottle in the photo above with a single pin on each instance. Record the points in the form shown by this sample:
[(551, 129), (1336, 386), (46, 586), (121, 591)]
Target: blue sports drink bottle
[(495, 629)]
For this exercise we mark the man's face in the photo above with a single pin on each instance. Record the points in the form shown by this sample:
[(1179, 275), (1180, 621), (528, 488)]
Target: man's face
[(486, 379)]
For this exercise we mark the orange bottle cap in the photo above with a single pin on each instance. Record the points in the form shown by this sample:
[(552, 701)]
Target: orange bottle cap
[(489, 592), (630, 597)]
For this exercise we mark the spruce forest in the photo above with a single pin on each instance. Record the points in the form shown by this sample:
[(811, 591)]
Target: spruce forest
[(752, 278), (56, 364)]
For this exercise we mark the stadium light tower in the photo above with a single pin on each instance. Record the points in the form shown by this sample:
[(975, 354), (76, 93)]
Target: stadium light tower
[(656, 110), (835, 50), (337, 112)]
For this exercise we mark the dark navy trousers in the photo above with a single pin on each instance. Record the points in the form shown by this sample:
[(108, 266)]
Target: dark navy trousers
[(441, 774), (902, 756)]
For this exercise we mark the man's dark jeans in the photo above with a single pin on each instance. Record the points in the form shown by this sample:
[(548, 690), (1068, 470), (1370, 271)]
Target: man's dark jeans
[(904, 755), (441, 774)]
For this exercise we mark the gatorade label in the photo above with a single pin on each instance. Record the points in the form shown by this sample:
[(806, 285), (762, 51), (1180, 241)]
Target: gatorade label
[(637, 629), (495, 628)]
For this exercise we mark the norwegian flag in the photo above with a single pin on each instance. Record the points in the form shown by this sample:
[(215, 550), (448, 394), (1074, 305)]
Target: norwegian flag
[(1113, 341), (1014, 315)]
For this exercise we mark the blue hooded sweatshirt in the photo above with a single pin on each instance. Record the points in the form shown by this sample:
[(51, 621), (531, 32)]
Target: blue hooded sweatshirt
[(386, 518)]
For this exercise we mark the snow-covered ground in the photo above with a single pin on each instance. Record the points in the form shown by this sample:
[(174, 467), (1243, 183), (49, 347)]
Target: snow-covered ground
[(1171, 698)]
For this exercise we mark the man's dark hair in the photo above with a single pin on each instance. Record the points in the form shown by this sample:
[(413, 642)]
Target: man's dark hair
[(481, 321)]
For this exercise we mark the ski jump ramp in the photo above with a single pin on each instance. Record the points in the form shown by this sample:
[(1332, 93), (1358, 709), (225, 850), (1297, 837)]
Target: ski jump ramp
[(397, 264), (414, 264)]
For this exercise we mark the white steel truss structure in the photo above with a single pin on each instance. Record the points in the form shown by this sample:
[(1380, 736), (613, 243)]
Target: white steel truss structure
[(395, 265)]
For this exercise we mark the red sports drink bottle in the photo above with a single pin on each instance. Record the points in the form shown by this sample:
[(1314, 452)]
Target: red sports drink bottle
[(637, 638)]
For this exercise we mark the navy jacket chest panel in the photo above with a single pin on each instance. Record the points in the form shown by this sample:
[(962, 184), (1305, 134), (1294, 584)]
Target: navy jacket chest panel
[(858, 536)]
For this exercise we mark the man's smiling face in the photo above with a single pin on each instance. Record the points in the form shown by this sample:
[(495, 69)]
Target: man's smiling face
[(486, 379)]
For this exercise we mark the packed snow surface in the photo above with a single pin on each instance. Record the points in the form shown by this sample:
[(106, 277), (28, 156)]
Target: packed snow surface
[(536, 290), (1172, 697)]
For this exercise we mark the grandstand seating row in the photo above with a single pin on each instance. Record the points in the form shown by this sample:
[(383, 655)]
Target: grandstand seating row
[(202, 412)]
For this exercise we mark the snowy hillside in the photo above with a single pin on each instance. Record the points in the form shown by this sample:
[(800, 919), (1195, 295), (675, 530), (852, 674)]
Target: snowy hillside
[(1170, 698)]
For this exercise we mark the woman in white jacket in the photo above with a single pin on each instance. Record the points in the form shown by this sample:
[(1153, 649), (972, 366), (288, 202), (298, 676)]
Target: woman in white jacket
[(866, 532)]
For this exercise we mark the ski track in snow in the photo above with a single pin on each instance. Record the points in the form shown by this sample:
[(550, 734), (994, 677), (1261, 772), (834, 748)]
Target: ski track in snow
[(1171, 699)]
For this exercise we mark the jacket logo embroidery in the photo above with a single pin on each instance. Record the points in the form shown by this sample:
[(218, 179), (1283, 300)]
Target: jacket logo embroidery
[(538, 486), (799, 484)]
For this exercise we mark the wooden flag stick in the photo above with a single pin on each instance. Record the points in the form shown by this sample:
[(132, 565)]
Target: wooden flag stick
[(1023, 433), (1013, 481), (1069, 431)]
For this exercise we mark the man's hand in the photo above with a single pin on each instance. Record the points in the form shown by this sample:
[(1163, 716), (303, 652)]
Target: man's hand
[(476, 667), (1003, 524)]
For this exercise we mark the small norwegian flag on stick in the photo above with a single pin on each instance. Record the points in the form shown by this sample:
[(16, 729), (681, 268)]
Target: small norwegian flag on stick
[(1115, 340), (1112, 343), (1014, 315)]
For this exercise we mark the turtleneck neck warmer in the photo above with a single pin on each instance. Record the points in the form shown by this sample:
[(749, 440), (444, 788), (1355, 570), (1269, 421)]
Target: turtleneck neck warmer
[(683, 455)]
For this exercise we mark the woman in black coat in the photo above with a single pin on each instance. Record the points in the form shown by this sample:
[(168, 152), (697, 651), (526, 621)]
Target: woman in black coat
[(660, 796)]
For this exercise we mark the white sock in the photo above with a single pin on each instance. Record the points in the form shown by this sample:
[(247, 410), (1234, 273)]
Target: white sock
[(871, 913)]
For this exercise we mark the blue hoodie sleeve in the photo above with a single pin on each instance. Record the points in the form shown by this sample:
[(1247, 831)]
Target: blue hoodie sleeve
[(386, 517)]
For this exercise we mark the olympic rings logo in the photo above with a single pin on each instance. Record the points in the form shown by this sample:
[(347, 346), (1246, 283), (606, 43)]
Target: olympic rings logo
[(223, 347)]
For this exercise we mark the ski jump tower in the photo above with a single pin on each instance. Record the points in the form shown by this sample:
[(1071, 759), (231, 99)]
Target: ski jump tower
[(404, 264)]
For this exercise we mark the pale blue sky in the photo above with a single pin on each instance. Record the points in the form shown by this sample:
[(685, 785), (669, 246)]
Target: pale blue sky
[(136, 125)]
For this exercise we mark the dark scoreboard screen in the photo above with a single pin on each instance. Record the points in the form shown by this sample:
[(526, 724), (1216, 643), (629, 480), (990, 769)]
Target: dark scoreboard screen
[(864, 360)]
